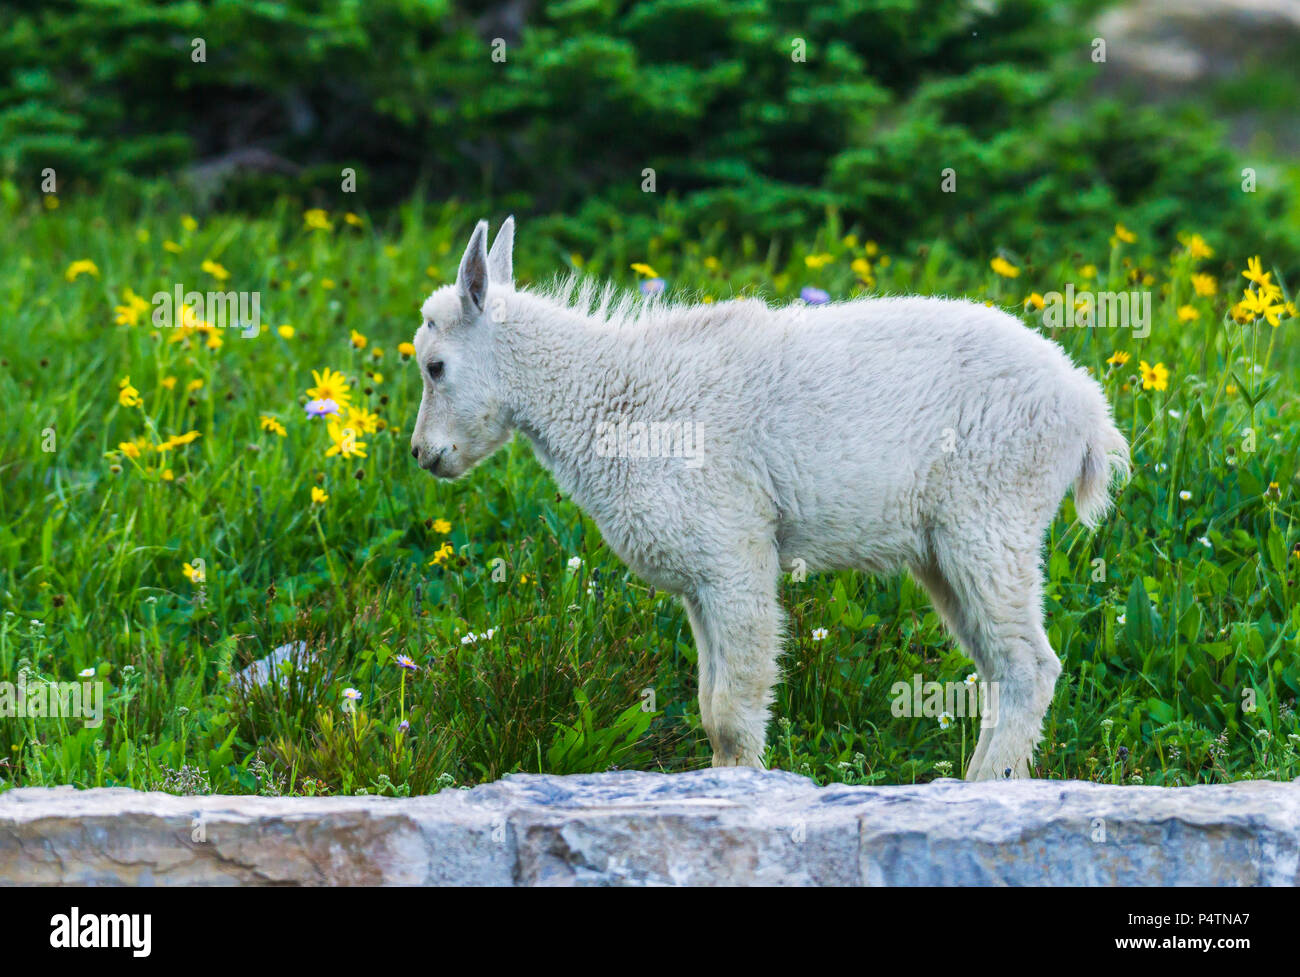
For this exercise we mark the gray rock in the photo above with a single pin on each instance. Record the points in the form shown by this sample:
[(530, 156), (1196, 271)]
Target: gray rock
[(1157, 51), (709, 827), (263, 671), (1186, 43)]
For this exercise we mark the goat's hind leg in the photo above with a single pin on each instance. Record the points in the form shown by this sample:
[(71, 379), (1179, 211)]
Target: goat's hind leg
[(992, 601)]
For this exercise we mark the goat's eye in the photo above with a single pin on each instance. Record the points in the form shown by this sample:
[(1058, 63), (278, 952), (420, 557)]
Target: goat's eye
[(435, 370)]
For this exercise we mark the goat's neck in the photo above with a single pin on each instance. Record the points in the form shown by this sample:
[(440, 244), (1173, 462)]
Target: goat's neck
[(563, 373)]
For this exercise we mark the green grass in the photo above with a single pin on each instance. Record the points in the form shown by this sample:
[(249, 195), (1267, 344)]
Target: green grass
[(1198, 683)]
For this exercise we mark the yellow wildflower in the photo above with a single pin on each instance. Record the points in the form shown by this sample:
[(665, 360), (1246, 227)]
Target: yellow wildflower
[(179, 440), (127, 395), (132, 307), (215, 270), (1196, 246), (1003, 267), (1261, 305), (81, 267), (317, 220), (346, 444), (319, 496), (1153, 377), (1204, 285), (330, 386), (269, 423), (362, 420), (1255, 272)]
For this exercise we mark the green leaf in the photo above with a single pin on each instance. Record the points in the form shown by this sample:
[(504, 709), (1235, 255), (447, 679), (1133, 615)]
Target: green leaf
[(1138, 623)]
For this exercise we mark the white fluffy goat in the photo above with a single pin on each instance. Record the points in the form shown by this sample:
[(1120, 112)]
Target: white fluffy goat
[(715, 444)]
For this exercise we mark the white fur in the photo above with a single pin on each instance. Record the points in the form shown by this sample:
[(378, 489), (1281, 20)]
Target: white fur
[(926, 434)]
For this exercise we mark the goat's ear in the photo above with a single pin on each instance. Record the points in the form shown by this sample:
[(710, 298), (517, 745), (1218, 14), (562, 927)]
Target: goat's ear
[(500, 258), (472, 278)]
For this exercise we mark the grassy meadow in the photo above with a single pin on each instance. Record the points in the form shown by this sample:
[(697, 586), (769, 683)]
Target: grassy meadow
[(170, 513)]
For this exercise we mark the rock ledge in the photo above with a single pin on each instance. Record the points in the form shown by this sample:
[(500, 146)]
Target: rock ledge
[(728, 827)]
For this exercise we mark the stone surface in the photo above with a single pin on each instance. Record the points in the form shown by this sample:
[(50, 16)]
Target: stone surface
[(266, 670), (722, 827), (1157, 50), (1194, 40)]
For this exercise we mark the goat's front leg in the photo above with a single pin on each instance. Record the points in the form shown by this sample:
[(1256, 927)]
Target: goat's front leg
[(737, 625)]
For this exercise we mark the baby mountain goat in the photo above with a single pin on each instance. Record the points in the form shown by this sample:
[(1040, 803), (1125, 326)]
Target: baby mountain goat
[(929, 434)]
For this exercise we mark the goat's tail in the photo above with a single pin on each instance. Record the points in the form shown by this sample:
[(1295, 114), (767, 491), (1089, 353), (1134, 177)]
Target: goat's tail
[(1105, 462)]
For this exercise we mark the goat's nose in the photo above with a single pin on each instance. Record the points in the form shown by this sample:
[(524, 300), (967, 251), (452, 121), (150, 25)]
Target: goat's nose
[(415, 453)]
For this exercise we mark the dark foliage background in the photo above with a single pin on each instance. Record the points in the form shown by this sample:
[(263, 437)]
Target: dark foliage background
[(592, 92)]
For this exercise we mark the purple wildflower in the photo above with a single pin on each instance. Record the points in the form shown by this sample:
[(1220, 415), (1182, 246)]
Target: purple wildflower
[(319, 408)]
